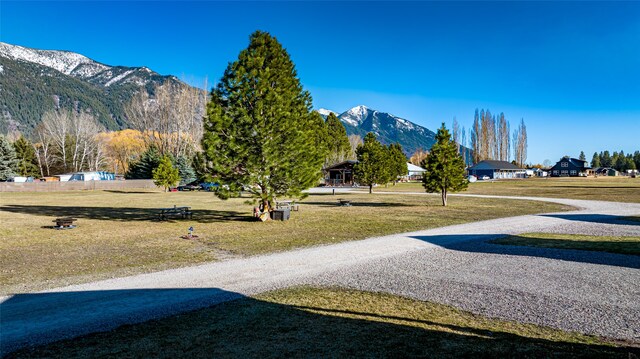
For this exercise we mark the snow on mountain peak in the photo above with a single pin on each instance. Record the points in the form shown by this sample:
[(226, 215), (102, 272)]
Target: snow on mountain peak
[(325, 112), (356, 115), (63, 61)]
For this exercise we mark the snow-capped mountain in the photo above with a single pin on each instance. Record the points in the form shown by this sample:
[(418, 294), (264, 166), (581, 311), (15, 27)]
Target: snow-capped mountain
[(325, 113), (388, 128), (34, 81), (68, 63)]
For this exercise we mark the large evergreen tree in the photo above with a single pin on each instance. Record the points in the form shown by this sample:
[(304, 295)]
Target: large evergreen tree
[(397, 162), (28, 163), (373, 162), (605, 159), (337, 140), (143, 168), (166, 175), (582, 157), (8, 160), (259, 130), (186, 171), (444, 167)]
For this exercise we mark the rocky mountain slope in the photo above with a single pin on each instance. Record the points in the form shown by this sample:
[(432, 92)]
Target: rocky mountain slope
[(388, 128), (34, 81)]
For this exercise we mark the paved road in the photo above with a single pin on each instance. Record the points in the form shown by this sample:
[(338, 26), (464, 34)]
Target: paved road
[(590, 292)]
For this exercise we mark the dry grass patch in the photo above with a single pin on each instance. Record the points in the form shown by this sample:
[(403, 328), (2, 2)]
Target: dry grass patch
[(316, 322), (612, 244), (118, 232), (615, 189)]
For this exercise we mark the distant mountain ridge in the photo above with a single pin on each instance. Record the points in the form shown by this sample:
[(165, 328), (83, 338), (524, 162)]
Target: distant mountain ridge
[(388, 128), (34, 81)]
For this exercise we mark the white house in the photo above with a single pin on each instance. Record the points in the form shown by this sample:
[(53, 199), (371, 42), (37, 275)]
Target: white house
[(414, 173)]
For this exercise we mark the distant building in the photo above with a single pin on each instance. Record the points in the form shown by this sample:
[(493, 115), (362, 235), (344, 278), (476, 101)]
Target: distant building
[(604, 171), (570, 167), (340, 174), (496, 170), (414, 173)]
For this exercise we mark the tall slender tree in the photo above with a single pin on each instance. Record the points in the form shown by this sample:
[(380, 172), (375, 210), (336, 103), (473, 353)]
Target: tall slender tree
[(595, 160), (397, 162), (259, 131), (582, 157), (337, 141), (444, 167)]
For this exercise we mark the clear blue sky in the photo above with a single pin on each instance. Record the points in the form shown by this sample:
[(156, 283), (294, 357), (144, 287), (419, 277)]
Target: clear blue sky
[(570, 69)]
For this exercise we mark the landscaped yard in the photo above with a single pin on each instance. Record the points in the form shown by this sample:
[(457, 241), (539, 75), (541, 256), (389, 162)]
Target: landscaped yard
[(617, 189), (321, 322), (612, 244), (118, 233)]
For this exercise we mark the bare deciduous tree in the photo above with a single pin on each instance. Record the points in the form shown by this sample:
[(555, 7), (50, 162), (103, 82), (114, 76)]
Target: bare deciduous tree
[(172, 119)]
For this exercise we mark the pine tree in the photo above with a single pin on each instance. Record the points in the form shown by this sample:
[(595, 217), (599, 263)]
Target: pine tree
[(143, 168), (8, 160), (259, 130), (582, 156), (397, 162), (605, 159), (595, 160), (185, 170), (166, 175), (28, 162), (373, 162), (444, 167), (337, 141)]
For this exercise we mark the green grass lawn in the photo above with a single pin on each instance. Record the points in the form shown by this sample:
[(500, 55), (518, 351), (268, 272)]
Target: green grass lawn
[(612, 244), (616, 189), (321, 322), (118, 233)]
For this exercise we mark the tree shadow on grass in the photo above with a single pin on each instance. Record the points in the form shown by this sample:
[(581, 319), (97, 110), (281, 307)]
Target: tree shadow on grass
[(480, 243), (125, 214), (237, 326)]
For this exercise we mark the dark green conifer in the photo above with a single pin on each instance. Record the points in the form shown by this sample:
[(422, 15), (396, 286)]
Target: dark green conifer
[(28, 162), (397, 162), (8, 160), (337, 141), (373, 162), (444, 167), (143, 168), (259, 130)]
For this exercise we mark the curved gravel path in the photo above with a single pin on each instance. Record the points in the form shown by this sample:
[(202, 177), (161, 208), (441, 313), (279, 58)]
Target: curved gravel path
[(591, 292)]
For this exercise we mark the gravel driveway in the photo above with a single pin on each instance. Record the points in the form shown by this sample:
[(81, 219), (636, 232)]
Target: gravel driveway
[(591, 292)]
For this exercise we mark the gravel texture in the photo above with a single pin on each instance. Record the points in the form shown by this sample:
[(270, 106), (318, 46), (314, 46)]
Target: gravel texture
[(590, 292)]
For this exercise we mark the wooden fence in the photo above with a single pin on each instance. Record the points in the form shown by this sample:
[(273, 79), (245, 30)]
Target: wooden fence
[(54, 186)]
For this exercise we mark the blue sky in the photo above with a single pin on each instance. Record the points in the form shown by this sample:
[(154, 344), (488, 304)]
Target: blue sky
[(570, 69)]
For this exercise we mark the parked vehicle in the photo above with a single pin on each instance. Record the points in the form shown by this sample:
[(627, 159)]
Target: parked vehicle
[(193, 186), (209, 186), (20, 179)]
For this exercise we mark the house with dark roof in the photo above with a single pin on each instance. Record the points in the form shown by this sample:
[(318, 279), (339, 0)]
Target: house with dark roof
[(570, 167), (340, 174), (496, 170)]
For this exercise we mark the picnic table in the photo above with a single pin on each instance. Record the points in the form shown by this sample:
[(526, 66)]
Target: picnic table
[(64, 222), (291, 205), (182, 211)]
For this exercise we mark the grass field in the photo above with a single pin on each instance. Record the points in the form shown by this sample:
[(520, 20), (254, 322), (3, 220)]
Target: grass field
[(320, 322), (118, 233), (616, 189), (612, 244)]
